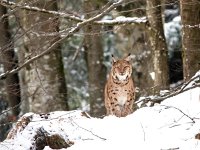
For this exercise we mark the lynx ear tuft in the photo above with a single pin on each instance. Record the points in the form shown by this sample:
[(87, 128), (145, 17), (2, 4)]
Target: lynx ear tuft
[(128, 58), (113, 59)]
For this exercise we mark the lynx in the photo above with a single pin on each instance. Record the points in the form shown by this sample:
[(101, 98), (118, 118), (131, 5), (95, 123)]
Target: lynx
[(119, 89)]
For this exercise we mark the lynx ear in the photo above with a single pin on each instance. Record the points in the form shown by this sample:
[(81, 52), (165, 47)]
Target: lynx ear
[(113, 59), (128, 58)]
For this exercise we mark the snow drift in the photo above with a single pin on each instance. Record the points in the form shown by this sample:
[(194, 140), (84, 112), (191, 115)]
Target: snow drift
[(172, 124)]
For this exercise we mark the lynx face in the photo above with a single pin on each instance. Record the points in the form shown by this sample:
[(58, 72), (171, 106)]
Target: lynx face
[(121, 69)]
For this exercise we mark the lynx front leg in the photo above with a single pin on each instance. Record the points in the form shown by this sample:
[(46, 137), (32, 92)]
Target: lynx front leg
[(128, 108), (117, 112)]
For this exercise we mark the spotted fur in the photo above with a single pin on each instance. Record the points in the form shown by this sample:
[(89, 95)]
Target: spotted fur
[(119, 89)]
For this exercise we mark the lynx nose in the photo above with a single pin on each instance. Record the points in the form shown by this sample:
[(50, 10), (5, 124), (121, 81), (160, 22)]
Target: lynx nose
[(121, 73)]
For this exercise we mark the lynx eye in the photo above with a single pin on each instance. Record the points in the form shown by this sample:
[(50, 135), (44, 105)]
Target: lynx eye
[(117, 68), (127, 67)]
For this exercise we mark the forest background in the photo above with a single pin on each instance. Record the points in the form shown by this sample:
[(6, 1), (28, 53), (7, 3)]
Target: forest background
[(55, 55)]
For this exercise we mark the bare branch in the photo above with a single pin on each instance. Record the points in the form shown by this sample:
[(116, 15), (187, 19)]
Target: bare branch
[(117, 21), (183, 89), (188, 82), (143, 130), (69, 34), (87, 130), (78, 50), (13, 5), (192, 119)]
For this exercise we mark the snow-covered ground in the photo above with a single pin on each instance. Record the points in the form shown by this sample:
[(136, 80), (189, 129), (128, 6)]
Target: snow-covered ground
[(170, 125)]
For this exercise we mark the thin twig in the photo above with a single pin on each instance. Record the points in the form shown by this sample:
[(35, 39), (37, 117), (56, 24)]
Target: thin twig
[(160, 99), (192, 119), (14, 5), (78, 50), (70, 33), (129, 20), (87, 130), (188, 82), (143, 130)]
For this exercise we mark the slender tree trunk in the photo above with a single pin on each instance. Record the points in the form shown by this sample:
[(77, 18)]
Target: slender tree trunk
[(43, 81), (158, 44), (8, 59), (190, 17), (94, 57)]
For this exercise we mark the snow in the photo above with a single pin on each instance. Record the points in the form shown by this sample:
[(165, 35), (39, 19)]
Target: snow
[(172, 31), (152, 74), (123, 19), (171, 124)]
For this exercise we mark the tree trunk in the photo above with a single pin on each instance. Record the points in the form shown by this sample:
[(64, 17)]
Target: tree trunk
[(136, 43), (94, 58), (8, 59), (43, 81), (158, 44), (190, 17)]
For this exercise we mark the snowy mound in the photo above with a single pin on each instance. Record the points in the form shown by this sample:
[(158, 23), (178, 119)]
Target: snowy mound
[(172, 124)]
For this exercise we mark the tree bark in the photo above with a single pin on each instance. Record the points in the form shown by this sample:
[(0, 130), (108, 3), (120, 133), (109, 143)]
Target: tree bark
[(43, 81), (158, 44), (94, 58), (8, 59), (190, 17), (137, 43)]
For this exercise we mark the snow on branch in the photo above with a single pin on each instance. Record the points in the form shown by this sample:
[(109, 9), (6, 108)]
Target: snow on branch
[(70, 33), (116, 21), (123, 20), (13, 5), (184, 88)]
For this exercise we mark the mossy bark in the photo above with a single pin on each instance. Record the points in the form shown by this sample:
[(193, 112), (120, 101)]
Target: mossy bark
[(44, 81), (158, 44), (190, 17), (94, 58)]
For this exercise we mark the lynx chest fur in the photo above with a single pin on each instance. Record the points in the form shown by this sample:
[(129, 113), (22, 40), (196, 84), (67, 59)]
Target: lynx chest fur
[(119, 89)]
